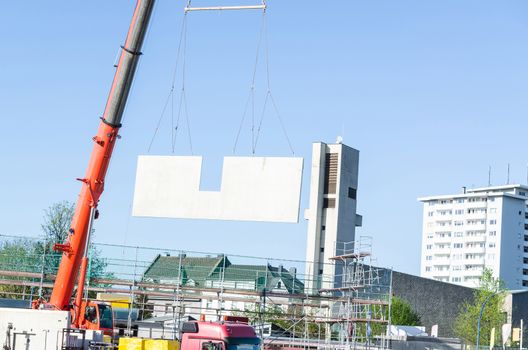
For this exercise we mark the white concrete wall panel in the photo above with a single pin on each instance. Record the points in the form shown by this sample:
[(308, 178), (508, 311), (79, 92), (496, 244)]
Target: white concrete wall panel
[(252, 189)]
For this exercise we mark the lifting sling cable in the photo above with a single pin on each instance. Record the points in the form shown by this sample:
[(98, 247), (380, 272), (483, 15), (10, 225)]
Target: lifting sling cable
[(268, 98), (181, 53), (251, 95), (256, 125)]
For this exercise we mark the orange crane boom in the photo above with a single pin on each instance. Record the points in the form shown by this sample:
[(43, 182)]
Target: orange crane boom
[(74, 257)]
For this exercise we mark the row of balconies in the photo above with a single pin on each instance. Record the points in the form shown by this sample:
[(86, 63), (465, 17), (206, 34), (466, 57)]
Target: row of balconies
[(447, 262)]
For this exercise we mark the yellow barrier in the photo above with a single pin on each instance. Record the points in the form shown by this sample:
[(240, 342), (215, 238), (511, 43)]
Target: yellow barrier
[(131, 344), (107, 338), (147, 344), (160, 344)]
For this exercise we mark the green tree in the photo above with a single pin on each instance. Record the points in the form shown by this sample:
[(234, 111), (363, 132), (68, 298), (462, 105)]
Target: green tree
[(402, 313), (17, 256), (57, 221), (56, 226), (38, 256), (465, 326)]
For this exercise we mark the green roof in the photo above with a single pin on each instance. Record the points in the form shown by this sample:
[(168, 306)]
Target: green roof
[(197, 270)]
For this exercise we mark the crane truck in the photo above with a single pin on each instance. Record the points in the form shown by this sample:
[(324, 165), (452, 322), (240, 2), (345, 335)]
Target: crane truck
[(97, 315), (74, 261)]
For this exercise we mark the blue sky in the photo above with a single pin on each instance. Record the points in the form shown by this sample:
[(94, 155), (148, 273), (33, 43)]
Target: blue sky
[(430, 92)]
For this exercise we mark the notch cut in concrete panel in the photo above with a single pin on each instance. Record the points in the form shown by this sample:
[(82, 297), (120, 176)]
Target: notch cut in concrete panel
[(252, 189)]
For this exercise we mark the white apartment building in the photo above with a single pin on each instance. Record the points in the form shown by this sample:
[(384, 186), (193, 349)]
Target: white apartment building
[(478, 228)]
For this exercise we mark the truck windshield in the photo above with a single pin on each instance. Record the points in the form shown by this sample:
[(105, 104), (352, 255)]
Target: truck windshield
[(243, 347), (105, 313)]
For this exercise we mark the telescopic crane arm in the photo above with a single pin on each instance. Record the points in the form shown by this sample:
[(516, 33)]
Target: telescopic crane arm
[(75, 248)]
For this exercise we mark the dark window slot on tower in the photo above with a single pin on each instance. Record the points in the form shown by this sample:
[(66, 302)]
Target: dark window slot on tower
[(329, 203), (330, 183), (352, 193)]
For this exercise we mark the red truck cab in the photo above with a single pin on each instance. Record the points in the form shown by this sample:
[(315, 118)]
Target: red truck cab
[(97, 316), (218, 336)]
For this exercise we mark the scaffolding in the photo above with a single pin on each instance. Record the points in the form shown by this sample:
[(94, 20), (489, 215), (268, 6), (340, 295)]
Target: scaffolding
[(361, 292), (164, 286)]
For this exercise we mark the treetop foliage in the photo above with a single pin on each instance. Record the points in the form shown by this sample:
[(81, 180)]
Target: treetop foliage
[(492, 292)]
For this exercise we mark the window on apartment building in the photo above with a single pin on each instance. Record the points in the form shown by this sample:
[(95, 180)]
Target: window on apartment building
[(430, 213), (428, 268), (429, 257), (526, 226), (429, 246), (525, 283), (493, 210), (493, 222), (526, 249), (429, 236), (456, 279), (476, 222), (458, 234), (492, 199), (445, 234), (493, 233), (491, 245), (522, 193), (323, 227), (457, 268), (320, 272), (431, 203), (352, 193), (459, 223), (525, 272), (458, 245), (459, 211), (321, 249), (460, 200), (525, 260)]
